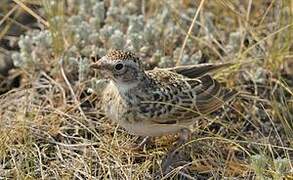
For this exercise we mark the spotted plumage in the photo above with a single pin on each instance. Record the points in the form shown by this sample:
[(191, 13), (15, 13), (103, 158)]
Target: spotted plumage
[(159, 101)]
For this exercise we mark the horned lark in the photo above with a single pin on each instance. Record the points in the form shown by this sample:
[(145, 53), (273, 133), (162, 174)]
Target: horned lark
[(160, 101)]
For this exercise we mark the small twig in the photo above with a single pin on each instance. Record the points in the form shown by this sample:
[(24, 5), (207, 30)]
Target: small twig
[(40, 160), (71, 90), (189, 32), (248, 10), (266, 38), (8, 14), (57, 84), (267, 12), (27, 9)]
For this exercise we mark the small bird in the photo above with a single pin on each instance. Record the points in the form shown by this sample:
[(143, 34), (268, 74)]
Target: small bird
[(159, 101)]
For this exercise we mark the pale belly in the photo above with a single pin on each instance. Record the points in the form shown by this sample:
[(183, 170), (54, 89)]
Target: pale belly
[(150, 129)]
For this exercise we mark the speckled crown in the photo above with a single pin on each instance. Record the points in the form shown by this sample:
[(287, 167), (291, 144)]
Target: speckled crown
[(117, 54)]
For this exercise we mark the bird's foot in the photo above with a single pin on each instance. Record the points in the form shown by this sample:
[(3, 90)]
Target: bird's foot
[(176, 157), (175, 162), (184, 136), (145, 141)]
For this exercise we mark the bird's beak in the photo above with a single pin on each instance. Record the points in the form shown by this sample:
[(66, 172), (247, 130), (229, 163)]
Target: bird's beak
[(96, 65), (103, 68), (100, 65)]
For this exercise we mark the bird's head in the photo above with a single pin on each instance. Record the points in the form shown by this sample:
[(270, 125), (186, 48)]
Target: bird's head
[(122, 67)]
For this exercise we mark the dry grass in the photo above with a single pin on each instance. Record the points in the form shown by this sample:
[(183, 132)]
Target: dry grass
[(52, 128)]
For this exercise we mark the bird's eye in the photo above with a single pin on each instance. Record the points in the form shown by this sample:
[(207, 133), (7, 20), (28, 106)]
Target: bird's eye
[(119, 66)]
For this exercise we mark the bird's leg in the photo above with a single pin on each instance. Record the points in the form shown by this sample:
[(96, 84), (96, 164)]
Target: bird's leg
[(174, 157), (184, 136), (146, 140)]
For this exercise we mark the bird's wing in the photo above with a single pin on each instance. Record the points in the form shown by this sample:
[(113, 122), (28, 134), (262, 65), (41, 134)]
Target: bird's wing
[(198, 70), (179, 99)]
